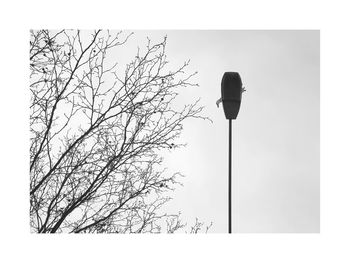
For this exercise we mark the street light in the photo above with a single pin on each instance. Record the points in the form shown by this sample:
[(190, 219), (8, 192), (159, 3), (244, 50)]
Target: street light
[(231, 96)]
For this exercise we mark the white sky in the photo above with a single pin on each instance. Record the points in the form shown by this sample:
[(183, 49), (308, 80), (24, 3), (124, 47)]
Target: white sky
[(275, 137)]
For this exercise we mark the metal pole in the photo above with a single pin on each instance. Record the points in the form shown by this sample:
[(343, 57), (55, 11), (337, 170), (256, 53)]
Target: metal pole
[(229, 176)]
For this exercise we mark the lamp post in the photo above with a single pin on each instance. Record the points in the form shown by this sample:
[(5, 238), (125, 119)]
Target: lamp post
[(231, 95)]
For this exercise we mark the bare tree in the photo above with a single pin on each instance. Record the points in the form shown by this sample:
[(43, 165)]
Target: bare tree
[(197, 227), (97, 134)]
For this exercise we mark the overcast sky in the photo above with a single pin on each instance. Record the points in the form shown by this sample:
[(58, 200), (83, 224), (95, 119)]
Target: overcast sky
[(275, 137)]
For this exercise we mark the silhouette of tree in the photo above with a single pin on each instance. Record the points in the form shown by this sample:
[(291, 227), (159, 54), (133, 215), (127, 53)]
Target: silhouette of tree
[(97, 133)]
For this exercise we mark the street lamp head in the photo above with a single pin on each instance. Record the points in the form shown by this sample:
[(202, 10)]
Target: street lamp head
[(231, 94)]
